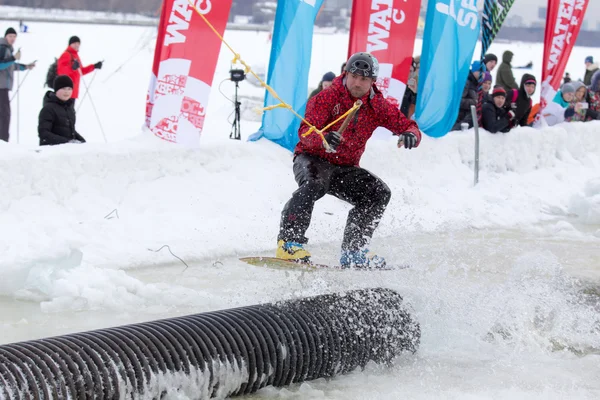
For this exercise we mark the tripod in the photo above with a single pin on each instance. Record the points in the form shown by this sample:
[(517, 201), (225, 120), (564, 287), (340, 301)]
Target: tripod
[(235, 127)]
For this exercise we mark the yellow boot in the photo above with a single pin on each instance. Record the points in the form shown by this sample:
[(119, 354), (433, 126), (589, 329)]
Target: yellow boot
[(292, 251)]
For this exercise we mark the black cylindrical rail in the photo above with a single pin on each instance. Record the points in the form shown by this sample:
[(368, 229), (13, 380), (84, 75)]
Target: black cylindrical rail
[(216, 354)]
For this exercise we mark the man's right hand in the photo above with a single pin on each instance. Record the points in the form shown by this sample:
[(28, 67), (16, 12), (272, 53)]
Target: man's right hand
[(75, 66), (408, 140), (333, 138)]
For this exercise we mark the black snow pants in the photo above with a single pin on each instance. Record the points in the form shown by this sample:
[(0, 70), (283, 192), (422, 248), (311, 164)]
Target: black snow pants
[(4, 114), (316, 177)]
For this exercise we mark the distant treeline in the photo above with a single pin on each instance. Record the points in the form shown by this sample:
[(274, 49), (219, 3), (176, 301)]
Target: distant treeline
[(147, 7)]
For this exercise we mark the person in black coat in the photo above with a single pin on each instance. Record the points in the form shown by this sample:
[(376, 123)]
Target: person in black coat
[(469, 97), (519, 100), (57, 118), (490, 60), (324, 84), (409, 100), (494, 117)]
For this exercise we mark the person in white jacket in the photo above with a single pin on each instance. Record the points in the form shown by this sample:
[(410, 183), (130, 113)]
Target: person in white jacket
[(554, 113)]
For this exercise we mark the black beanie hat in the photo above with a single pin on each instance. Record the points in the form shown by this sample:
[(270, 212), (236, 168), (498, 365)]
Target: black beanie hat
[(328, 77), (9, 31), (74, 39), (498, 91), (490, 57), (62, 81)]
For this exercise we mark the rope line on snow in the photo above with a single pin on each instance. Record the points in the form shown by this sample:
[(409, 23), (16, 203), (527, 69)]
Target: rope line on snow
[(111, 216), (177, 257), (282, 104)]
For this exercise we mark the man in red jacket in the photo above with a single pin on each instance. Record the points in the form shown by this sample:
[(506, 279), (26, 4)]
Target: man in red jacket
[(69, 64), (319, 172)]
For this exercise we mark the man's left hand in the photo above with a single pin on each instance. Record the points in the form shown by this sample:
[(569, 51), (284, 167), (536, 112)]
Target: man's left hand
[(408, 140), (30, 66)]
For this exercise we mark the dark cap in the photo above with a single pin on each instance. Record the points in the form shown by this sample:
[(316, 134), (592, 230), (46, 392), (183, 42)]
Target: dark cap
[(62, 81)]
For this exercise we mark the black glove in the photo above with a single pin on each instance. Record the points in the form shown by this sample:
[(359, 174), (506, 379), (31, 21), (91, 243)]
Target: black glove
[(333, 138), (75, 66), (408, 140), (98, 65)]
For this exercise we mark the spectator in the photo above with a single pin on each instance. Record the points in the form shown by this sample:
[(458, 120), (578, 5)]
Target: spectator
[(490, 60), (594, 92), (533, 114), (469, 97), (326, 81), (567, 78), (519, 101), (22, 27), (505, 76), (565, 94), (409, 100), (590, 70), (554, 113), (343, 68), (57, 118), (581, 92), (495, 118), (579, 109), (8, 65), (69, 64), (487, 85)]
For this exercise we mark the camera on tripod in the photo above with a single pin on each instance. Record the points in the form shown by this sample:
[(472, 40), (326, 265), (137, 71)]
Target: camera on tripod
[(237, 75)]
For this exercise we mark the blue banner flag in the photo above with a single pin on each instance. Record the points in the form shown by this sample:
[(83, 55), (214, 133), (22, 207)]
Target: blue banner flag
[(451, 32), (288, 70)]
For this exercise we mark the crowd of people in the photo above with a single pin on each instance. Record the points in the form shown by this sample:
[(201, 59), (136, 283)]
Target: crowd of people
[(57, 116), (508, 104)]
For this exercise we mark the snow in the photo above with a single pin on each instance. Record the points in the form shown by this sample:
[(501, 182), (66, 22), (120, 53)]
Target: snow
[(504, 274)]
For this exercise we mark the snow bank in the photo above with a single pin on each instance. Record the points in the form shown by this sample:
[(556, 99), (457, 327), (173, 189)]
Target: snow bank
[(117, 202), (586, 204)]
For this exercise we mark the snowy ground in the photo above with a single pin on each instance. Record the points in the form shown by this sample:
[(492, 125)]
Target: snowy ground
[(505, 276)]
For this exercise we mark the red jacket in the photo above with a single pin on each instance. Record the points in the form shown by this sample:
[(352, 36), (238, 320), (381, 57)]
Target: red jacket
[(64, 67), (330, 103)]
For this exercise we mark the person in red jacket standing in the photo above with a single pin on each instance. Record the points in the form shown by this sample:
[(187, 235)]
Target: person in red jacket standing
[(69, 64), (319, 172)]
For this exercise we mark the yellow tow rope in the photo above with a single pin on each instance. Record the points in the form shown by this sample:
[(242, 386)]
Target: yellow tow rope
[(282, 104)]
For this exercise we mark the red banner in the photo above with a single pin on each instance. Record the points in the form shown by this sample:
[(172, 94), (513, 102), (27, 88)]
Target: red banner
[(563, 23), (185, 59), (386, 29)]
